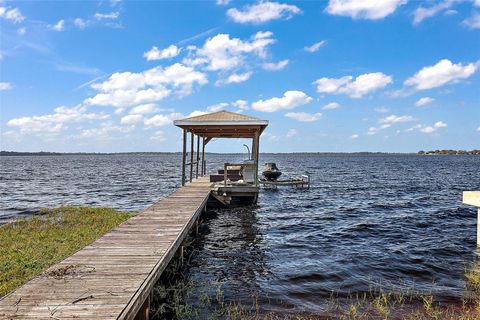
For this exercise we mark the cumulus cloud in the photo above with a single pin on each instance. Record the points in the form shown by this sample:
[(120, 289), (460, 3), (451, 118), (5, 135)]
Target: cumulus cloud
[(422, 13), (363, 9), (396, 119), (21, 31), (290, 100), (315, 47), (441, 73), (80, 23), (144, 109), (331, 106), (160, 120), (355, 88), (106, 131), (222, 52), (222, 2), (428, 129), (271, 66), (241, 104), (263, 12), (5, 86), (473, 22), (234, 78), (107, 16), (158, 136), (123, 89), (156, 54), (12, 14), (56, 121), (424, 101), (388, 121), (59, 26), (354, 136), (132, 119), (304, 116)]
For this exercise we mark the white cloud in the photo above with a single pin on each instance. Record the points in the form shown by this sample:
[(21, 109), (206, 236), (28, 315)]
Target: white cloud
[(59, 26), (387, 122), (275, 66), (144, 109), (107, 16), (357, 88), (473, 22), (12, 14), (221, 52), (132, 119), (217, 107), (222, 2), (422, 13), (156, 54), (424, 101), (331, 106), (363, 9), (441, 73), (304, 116), (382, 109), (80, 23), (56, 121), (396, 119), (315, 47), (129, 89), (160, 120), (431, 129), (263, 12), (354, 136), (21, 31), (5, 86), (478, 129), (105, 132), (234, 78), (241, 104), (291, 133), (158, 136), (291, 99)]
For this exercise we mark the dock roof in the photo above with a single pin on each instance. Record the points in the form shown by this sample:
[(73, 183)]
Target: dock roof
[(223, 124)]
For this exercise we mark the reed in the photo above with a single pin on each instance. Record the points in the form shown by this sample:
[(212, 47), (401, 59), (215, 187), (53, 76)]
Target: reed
[(31, 245)]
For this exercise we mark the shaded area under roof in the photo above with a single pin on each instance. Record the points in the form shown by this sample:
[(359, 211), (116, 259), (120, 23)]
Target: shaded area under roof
[(223, 124)]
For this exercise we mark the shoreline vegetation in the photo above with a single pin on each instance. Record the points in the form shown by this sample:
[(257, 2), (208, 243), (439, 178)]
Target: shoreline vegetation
[(31, 245), (449, 152)]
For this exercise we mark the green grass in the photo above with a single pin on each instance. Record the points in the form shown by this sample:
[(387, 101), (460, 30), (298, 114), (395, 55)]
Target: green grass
[(31, 245)]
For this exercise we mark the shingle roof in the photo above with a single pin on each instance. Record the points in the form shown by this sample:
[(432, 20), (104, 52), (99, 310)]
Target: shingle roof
[(221, 116)]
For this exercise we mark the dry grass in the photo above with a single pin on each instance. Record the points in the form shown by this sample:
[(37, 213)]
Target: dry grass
[(31, 245)]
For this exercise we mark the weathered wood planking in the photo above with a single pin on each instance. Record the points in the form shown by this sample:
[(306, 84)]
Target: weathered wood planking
[(112, 277)]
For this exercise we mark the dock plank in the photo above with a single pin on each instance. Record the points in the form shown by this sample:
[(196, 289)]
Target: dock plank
[(114, 275)]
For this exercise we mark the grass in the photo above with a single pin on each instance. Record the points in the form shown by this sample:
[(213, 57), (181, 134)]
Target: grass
[(31, 245)]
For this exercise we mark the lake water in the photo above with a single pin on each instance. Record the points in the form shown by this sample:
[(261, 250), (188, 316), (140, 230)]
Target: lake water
[(367, 222)]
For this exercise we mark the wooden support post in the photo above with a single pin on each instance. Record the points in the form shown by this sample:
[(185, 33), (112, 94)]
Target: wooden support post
[(473, 198), (192, 137), (225, 166), (256, 142), (198, 156), (203, 156), (181, 254), (184, 155), (144, 312)]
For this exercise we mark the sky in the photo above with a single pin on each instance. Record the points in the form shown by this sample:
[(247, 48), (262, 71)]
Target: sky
[(330, 76)]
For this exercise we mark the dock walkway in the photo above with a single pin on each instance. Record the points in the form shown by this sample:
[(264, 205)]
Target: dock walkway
[(112, 278)]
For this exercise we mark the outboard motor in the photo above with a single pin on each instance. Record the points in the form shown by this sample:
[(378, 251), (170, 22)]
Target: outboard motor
[(271, 172)]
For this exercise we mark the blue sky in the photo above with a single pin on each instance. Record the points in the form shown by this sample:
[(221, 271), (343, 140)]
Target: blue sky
[(338, 75)]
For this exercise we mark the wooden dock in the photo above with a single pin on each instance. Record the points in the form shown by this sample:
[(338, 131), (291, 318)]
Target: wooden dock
[(113, 277)]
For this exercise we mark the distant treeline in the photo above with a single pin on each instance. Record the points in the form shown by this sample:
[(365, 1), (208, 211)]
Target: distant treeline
[(475, 152), (43, 153)]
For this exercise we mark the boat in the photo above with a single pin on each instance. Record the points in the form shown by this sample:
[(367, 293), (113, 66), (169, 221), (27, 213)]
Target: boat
[(271, 172)]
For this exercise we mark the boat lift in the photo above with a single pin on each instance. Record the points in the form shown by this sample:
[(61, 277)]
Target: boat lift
[(303, 181)]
